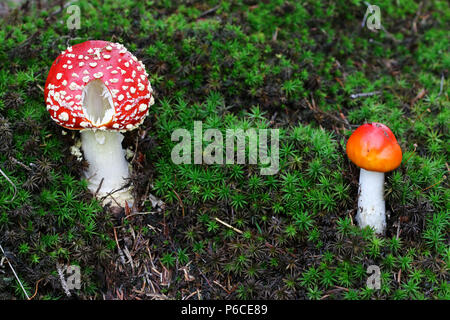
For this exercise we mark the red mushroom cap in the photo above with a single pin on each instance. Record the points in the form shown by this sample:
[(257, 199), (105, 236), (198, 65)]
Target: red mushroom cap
[(110, 67), (374, 147)]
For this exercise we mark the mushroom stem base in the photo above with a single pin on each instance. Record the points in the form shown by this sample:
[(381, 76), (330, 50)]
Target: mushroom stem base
[(371, 205), (103, 151)]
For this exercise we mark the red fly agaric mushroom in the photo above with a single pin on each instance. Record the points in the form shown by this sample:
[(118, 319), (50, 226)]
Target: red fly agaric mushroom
[(100, 88), (374, 149)]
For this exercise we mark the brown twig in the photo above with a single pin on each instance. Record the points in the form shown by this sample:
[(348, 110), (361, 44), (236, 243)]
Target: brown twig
[(415, 147), (443, 178), (137, 213), (414, 22), (229, 226), (225, 289), (36, 290), (419, 96), (272, 119), (122, 259), (15, 161), (207, 12), (191, 295), (109, 194), (181, 202), (99, 187), (312, 106)]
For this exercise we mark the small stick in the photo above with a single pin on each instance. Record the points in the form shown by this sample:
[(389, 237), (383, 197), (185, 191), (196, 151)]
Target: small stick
[(272, 120), (12, 183), (122, 259), (218, 283), (328, 293), (314, 109), (227, 225), (275, 34), (99, 187), (192, 294), (415, 147), (109, 194), (414, 23), (351, 219), (181, 202), (208, 11), (441, 87), (153, 228), (138, 213), (36, 290), (389, 35), (342, 288), (444, 177), (340, 82), (135, 149), (14, 272), (19, 163), (112, 192), (419, 96), (130, 258), (398, 229), (364, 94)]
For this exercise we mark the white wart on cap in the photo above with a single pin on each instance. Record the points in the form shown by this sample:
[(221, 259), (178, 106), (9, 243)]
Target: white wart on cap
[(98, 85)]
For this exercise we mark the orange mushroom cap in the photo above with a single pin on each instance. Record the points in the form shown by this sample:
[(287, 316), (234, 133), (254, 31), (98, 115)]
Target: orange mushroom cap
[(374, 147)]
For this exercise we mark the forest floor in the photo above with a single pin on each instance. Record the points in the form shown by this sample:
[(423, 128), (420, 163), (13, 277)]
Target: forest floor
[(309, 69)]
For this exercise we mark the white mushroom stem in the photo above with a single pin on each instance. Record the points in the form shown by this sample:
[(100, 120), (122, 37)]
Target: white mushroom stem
[(103, 151), (371, 206)]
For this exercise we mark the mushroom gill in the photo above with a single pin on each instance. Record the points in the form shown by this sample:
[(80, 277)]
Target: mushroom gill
[(97, 103)]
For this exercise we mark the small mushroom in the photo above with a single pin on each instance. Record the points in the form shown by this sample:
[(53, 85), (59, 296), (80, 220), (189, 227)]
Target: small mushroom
[(100, 88), (374, 148)]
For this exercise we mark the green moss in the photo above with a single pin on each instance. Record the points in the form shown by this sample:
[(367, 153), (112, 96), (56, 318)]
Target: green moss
[(286, 65)]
